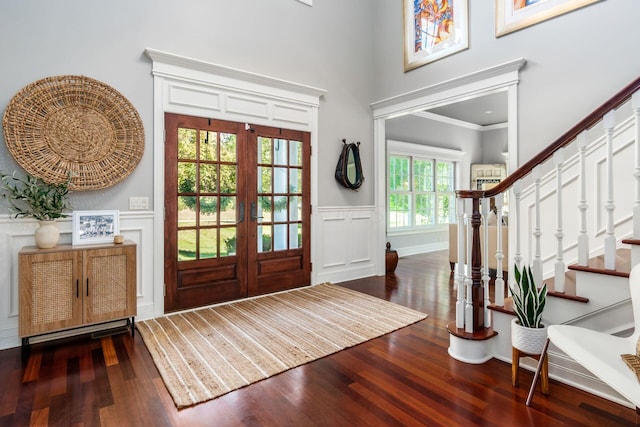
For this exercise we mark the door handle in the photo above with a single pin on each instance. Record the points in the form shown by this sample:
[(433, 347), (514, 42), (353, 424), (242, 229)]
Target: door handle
[(240, 213), (254, 212)]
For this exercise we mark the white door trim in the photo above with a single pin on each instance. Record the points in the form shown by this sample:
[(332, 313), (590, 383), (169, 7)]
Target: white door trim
[(500, 77), (189, 86)]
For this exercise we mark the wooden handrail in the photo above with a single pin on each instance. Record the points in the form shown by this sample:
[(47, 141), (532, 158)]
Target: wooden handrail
[(586, 123)]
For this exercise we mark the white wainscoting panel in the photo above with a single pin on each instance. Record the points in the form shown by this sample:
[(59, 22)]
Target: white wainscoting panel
[(15, 234), (345, 240)]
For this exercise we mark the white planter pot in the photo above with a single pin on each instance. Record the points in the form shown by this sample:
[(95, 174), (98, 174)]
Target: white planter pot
[(47, 235), (528, 340)]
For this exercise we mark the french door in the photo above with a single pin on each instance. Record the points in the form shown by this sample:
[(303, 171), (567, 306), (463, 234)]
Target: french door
[(237, 213)]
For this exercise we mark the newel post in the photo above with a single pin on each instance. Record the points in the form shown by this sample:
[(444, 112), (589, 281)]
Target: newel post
[(477, 292)]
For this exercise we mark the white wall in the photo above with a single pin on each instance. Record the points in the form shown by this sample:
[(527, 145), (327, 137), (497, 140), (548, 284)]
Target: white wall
[(327, 46), (574, 62), (433, 133), (494, 144)]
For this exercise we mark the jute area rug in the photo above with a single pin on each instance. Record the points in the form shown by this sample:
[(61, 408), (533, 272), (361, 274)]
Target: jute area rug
[(205, 353)]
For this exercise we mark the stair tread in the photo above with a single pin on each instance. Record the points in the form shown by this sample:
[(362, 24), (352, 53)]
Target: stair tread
[(596, 264), (482, 335), (570, 291)]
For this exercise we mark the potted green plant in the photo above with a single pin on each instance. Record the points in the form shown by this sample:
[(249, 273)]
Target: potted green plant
[(31, 197), (528, 334)]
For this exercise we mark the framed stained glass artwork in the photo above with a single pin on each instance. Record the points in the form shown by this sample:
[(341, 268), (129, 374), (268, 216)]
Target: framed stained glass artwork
[(433, 29)]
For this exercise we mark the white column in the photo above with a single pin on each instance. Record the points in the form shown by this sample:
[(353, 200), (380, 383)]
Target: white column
[(485, 259), (558, 159), (536, 262), (460, 265), (610, 240), (499, 283), (583, 238)]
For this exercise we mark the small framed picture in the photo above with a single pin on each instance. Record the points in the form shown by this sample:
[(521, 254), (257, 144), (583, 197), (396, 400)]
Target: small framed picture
[(92, 227)]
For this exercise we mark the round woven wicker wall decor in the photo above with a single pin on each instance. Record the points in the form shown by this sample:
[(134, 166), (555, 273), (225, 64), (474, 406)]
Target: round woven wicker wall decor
[(74, 125)]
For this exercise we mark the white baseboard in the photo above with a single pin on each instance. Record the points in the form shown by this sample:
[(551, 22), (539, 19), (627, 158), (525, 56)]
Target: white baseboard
[(422, 249), (346, 274), (145, 312), (9, 338)]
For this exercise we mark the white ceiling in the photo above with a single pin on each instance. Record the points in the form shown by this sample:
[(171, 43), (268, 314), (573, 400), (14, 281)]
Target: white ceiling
[(484, 110)]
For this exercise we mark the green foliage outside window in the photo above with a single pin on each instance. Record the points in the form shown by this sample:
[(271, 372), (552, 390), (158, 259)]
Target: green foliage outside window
[(202, 176), (421, 192)]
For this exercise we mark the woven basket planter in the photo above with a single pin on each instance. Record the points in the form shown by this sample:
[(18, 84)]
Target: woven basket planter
[(528, 340)]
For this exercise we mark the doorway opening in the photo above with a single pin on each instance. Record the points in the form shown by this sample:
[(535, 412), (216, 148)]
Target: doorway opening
[(500, 78)]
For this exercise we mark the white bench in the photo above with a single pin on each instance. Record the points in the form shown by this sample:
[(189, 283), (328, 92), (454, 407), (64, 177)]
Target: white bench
[(600, 353)]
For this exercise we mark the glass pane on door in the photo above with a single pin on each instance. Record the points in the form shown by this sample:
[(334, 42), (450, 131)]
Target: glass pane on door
[(279, 172), (207, 191)]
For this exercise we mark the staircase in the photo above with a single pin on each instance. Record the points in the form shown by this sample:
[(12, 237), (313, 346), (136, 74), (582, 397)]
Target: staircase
[(574, 217)]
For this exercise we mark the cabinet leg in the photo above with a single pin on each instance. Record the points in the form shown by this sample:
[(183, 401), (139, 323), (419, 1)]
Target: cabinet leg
[(25, 349), (133, 326)]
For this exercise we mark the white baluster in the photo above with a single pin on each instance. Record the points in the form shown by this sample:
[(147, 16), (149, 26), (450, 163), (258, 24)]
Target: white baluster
[(558, 159), (635, 104), (583, 238), (499, 283), (517, 192), (610, 240), (468, 308), (485, 260), (460, 266), (536, 263)]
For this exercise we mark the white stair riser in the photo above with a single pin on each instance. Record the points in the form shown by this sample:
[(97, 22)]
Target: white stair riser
[(635, 254), (502, 342), (602, 291)]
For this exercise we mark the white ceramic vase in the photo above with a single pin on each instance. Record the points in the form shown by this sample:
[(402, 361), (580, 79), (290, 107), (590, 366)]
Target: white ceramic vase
[(528, 340), (47, 235)]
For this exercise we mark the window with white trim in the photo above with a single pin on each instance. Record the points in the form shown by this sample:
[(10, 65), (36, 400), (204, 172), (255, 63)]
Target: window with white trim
[(421, 189)]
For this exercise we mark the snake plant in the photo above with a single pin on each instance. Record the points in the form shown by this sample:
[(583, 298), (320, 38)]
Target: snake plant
[(528, 301)]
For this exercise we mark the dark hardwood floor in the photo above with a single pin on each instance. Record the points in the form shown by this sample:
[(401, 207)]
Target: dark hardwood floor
[(403, 378)]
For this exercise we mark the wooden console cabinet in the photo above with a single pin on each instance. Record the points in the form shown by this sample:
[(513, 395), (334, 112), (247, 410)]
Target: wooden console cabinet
[(72, 286)]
